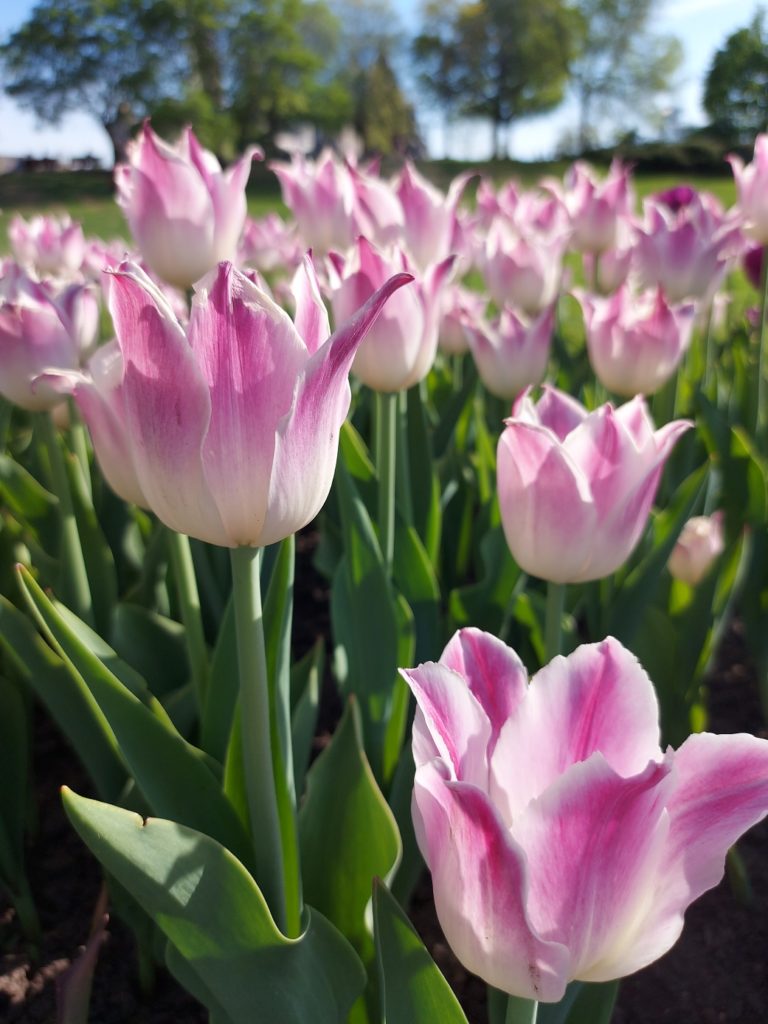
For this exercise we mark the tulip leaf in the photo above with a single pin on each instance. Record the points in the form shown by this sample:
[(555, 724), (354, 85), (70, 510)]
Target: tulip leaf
[(594, 1003), (425, 486), (416, 578), (223, 677), (152, 644), (174, 777), (67, 698), (412, 987), (217, 922), (484, 604), (305, 681), (347, 834), (22, 493)]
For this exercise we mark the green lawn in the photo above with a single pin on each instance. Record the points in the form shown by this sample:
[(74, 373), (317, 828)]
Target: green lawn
[(88, 196)]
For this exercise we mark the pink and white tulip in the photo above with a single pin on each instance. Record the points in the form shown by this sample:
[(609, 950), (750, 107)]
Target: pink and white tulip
[(231, 426), (563, 843), (400, 348), (50, 246), (512, 353), (429, 217), (458, 307), (596, 208), (523, 271), (185, 213), (752, 189), (575, 488), (700, 542), (269, 244), (636, 341), (40, 327)]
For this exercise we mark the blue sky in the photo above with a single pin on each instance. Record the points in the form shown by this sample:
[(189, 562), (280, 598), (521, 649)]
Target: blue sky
[(701, 25)]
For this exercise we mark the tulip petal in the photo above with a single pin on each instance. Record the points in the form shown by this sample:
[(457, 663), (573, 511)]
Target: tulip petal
[(167, 407), (249, 355), (307, 439), (594, 841), (311, 317), (455, 722), (597, 699), (544, 498), (493, 672), (480, 880)]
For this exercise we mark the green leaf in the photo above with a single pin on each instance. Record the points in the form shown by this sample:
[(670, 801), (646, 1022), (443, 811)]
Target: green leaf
[(21, 492), (216, 919), (152, 644), (347, 834), (222, 689), (305, 680), (174, 776), (415, 576), (484, 604), (99, 560), (67, 698), (425, 485), (412, 988)]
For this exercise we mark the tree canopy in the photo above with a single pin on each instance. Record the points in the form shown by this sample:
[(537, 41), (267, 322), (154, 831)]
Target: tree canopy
[(736, 89)]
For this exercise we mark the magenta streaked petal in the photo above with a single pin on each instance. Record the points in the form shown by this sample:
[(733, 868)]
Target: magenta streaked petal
[(167, 408), (249, 356), (597, 699), (480, 883), (493, 672), (592, 887), (311, 317)]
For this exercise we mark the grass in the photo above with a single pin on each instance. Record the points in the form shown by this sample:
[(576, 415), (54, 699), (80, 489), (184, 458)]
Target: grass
[(88, 195)]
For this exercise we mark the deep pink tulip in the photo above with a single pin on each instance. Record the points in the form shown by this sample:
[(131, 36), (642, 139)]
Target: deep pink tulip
[(50, 246), (41, 326), (575, 488), (752, 189), (752, 262), (232, 426), (635, 341), (563, 842), (400, 348), (698, 546), (687, 252), (429, 217), (597, 207), (512, 353), (185, 213)]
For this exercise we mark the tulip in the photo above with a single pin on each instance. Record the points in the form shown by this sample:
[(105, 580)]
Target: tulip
[(597, 207), (522, 271), (752, 188), (269, 244), (41, 327), (563, 843), (575, 488), (50, 246), (700, 542), (429, 222), (512, 353), (636, 342), (231, 426), (457, 307), (400, 349), (185, 213)]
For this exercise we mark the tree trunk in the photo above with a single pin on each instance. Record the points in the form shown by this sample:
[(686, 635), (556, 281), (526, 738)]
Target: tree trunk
[(119, 130)]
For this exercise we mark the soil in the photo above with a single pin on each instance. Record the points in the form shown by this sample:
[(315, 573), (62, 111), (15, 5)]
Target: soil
[(716, 974)]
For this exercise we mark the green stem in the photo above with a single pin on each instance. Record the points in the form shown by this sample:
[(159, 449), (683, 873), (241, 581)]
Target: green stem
[(257, 745), (386, 465), (522, 1011), (761, 413), (80, 444), (75, 589), (403, 468), (553, 631), (191, 614)]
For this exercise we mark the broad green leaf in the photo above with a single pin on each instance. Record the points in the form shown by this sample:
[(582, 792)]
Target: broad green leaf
[(415, 577), (412, 987), (425, 485), (99, 560), (152, 644), (484, 604), (216, 919), (174, 776), (67, 698), (222, 689), (305, 681), (21, 492), (347, 834)]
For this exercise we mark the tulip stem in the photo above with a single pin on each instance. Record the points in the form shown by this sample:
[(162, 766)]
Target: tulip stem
[(191, 614), (521, 1011), (257, 744), (553, 623), (75, 588), (761, 413), (386, 465)]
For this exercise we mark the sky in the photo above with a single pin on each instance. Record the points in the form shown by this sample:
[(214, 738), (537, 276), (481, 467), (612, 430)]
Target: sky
[(701, 26)]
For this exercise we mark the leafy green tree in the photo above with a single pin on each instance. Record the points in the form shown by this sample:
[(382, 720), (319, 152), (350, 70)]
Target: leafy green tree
[(495, 59), (111, 58), (383, 118), (621, 65), (736, 89)]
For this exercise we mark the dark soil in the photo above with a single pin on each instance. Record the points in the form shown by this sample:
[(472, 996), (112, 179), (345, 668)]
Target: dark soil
[(716, 974)]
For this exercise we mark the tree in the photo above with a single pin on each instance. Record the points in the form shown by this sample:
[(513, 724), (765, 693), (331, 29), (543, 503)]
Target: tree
[(736, 89), (383, 119), (620, 65), (496, 59), (111, 58)]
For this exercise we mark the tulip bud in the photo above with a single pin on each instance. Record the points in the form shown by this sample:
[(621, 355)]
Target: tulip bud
[(700, 542)]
